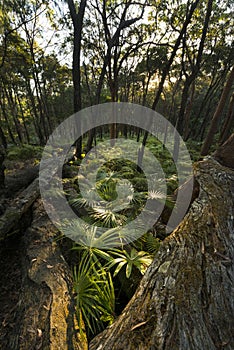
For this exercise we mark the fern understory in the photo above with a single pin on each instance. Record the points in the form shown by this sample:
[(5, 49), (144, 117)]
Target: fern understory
[(105, 279)]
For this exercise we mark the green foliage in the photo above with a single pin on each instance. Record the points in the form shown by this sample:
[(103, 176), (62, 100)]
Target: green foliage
[(93, 284), (24, 152), (147, 242), (95, 297), (152, 244), (141, 260)]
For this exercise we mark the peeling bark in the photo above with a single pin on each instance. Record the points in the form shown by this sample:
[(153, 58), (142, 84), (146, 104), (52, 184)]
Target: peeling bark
[(186, 298)]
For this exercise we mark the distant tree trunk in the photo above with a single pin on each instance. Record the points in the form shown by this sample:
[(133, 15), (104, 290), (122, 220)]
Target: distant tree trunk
[(33, 107), (4, 113), (13, 107), (166, 71), (114, 69), (23, 117), (188, 111), (216, 81), (229, 122), (3, 138), (77, 19), (218, 112), (2, 169), (195, 70), (185, 299)]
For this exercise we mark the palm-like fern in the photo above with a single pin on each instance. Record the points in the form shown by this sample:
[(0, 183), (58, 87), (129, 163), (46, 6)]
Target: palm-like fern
[(141, 260), (95, 297)]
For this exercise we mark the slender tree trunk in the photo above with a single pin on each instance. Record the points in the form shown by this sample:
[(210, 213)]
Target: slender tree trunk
[(218, 112), (210, 93), (13, 106), (195, 70), (112, 42), (166, 71), (2, 104), (3, 138), (35, 113), (227, 127), (77, 19), (23, 118)]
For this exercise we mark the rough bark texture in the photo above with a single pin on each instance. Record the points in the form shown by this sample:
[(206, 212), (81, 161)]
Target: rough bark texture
[(225, 153), (11, 218), (186, 299), (45, 316)]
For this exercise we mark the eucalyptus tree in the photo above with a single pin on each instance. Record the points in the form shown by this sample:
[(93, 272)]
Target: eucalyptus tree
[(194, 59), (77, 15), (190, 9), (117, 40), (23, 50), (214, 123), (217, 63)]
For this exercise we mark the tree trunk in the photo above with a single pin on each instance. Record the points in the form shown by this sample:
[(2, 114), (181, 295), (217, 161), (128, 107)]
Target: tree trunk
[(225, 153), (10, 220), (2, 169), (3, 138), (185, 299), (190, 79), (77, 19), (214, 123), (45, 314), (165, 73), (229, 122)]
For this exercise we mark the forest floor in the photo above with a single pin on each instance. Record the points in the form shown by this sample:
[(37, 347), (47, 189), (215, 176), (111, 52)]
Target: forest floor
[(18, 176)]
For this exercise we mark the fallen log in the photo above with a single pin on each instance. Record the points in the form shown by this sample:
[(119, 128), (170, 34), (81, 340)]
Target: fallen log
[(10, 219), (20, 180), (45, 314), (185, 300)]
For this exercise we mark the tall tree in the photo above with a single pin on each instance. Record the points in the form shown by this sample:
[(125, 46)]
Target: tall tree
[(190, 78), (190, 12), (116, 19), (218, 112), (77, 16)]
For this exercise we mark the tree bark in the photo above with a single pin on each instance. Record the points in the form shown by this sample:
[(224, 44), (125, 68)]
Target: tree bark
[(10, 220), (45, 315), (225, 153), (185, 299)]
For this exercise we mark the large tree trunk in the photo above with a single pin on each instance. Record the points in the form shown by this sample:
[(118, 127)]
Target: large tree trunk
[(185, 300), (43, 312), (44, 317)]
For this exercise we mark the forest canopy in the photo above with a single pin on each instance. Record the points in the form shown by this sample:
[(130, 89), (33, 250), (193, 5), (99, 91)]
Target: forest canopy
[(173, 57)]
